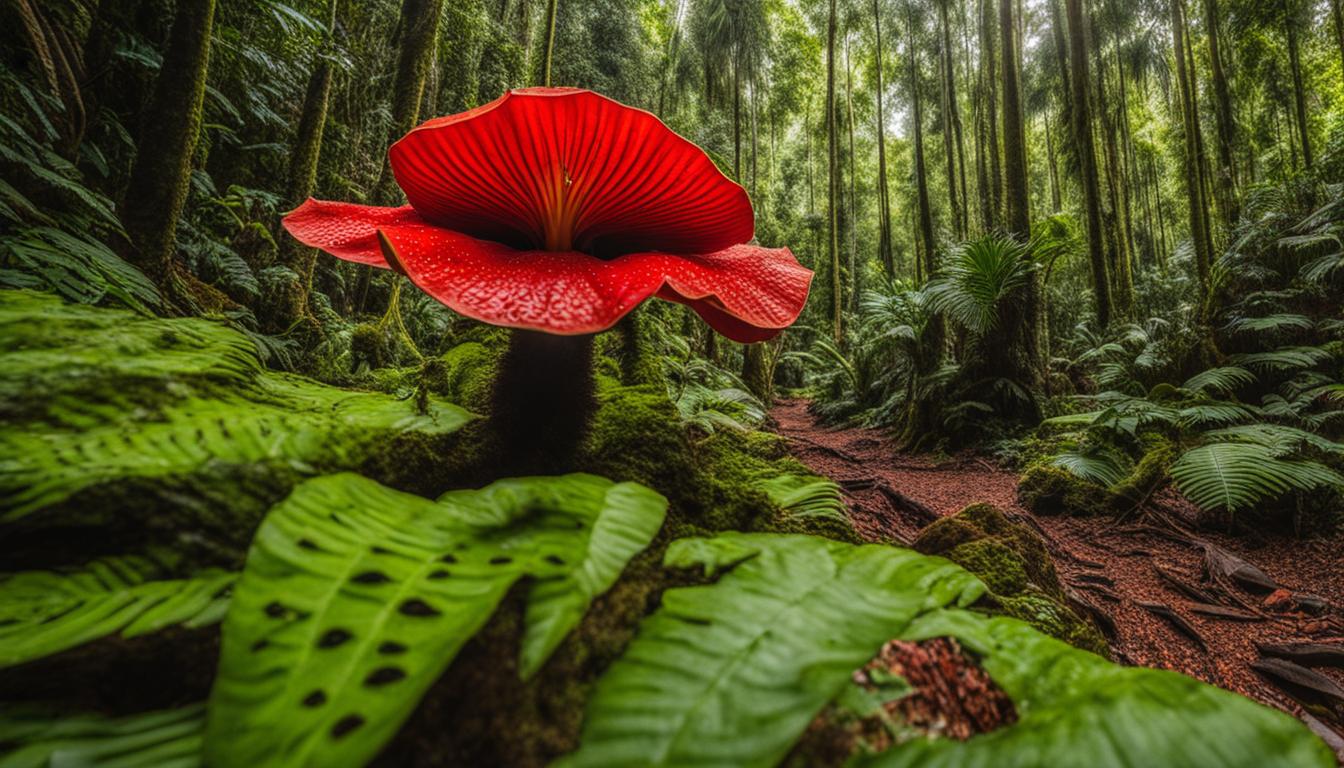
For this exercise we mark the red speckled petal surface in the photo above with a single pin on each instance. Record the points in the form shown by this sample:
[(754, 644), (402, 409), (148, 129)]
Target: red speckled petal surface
[(345, 230), (567, 169), (746, 293)]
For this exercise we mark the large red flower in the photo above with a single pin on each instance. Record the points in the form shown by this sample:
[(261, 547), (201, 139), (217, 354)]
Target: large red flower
[(560, 210)]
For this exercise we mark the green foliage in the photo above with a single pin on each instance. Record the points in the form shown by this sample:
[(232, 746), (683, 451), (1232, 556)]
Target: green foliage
[(166, 739), (80, 376), (1077, 709), (979, 279), (807, 496), (731, 673), (44, 612), (356, 597), (1235, 476)]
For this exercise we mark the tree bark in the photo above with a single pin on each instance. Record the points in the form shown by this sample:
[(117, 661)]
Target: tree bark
[(884, 249), (833, 168), (1290, 19), (1197, 206), (284, 311), (1087, 159), (161, 176), (926, 263), (419, 37), (1226, 175), (948, 98)]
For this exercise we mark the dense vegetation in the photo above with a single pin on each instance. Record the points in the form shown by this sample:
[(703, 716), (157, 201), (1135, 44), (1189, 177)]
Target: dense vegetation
[(261, 506)]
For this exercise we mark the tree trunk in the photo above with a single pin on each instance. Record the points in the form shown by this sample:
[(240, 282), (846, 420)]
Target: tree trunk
[(283, 311), (990, 47), (550, 42), (1226, 175), (1337, 13), (884, 250), (1197, 206), (926, 263), (852, 224), (833, 173), (1087, 159), (948, 99), (161, 176), (1290, 18), (419, 37), (1022, 359)]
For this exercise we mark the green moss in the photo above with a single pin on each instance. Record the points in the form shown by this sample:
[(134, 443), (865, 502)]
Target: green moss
[(1149, 473), (1001, 568), (1050, 490), (1015, 565), (370, 346)]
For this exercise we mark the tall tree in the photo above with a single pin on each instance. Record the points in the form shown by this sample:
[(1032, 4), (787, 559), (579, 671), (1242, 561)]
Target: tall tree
[(1197, 205), (281, 312), (419, 25), (161, 176), (925, 265), (1292, 14), (1084, 147), (1337, 13), (1225, 178), (951, 118), (884, 249), (833, 177), (1022, 359)]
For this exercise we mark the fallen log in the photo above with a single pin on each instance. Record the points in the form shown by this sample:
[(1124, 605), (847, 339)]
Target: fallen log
[(1309, 654), (1297, 679)]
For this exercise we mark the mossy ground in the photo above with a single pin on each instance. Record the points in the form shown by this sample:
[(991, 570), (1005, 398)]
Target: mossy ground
[(1015, 566)]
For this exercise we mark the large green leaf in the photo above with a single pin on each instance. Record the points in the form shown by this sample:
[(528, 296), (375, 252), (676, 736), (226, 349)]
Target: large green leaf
[(1077, 710), (356, 597), (1234, 476), (44, 612), (167, 739), (731, 673)]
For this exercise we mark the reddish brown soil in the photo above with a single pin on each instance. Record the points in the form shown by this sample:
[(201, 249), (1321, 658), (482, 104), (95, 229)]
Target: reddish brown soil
[(1124, 553)]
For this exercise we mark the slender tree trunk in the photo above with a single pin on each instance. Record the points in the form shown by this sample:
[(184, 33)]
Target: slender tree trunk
[(1018, 207), (419, 36), (551, 8), (1290, 18), (833, 168), (852, 224), (926, 260), (1056, 200), (161, 176), (1337, 13), (883, 199), (1022, 355), (990, 47), (737, 118), (948, 102), (1226, 177), (303, 161), (1198, 208), (1087, 159)]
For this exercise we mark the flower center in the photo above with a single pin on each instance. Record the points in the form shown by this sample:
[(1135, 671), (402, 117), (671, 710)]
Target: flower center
[(562, 213)]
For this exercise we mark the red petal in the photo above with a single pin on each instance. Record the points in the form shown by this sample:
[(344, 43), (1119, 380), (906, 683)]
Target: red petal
[(345, 230), (746, 293), (566, 169)]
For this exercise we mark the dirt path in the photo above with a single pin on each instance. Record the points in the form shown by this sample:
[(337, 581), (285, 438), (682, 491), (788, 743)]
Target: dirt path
[(1114, 566)]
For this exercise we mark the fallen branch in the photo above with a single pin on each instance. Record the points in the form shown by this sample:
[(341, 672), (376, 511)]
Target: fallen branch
[(1164, 611), (1310, 654)]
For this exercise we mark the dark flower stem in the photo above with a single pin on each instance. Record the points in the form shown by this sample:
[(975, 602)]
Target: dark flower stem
[(543, 402)]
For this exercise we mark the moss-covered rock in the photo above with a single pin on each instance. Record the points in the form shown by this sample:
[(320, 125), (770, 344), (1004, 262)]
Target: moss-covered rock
[(1049, 490), (1015, 565)]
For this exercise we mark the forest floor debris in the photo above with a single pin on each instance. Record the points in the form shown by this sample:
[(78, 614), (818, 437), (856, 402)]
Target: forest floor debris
[(1262, 593)]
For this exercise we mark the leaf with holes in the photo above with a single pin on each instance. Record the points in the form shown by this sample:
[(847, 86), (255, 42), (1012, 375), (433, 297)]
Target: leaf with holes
[(732, 672), (1078, 710), (356, 597), (43, 612)]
